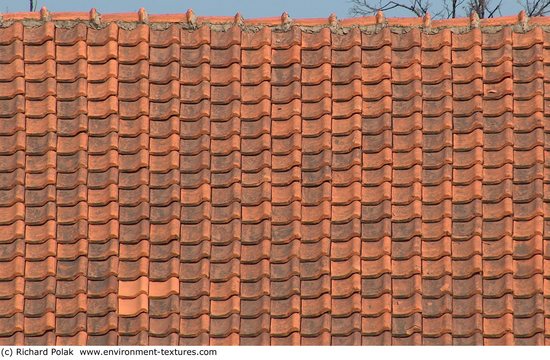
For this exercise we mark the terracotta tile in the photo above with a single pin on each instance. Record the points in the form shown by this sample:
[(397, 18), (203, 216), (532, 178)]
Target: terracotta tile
[(271, 187)]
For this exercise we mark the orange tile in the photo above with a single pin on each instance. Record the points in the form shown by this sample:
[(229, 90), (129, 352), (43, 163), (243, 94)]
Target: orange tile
[(276, 186)]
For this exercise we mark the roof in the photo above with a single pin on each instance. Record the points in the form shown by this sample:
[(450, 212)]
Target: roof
[(173, 179), (191, 20)]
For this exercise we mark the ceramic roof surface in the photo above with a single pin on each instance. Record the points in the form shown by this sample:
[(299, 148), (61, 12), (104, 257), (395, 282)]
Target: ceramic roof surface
[(179, 180)]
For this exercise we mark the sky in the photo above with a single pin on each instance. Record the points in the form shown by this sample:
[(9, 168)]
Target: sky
[(247, 8)]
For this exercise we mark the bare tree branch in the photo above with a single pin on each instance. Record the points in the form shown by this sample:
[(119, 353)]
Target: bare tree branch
[(451, 9), (484, 8), (366, 7), (535, 7), (495, 10), (448, 8)]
